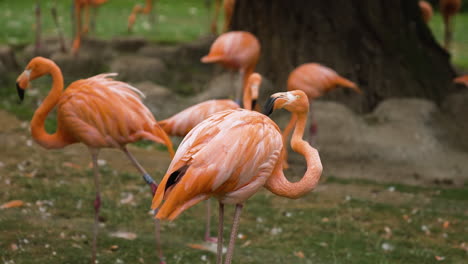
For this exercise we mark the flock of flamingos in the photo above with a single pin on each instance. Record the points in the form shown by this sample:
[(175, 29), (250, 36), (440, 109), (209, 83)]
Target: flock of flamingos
[(228, 152)]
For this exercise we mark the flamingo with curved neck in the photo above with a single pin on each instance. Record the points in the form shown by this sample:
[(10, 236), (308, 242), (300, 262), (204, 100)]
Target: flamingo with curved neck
[(138, 9), (230, 156), (98, 112)]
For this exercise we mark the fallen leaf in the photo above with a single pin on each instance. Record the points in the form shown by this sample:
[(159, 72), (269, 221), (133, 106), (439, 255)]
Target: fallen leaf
[(325, 220), (439, 258), (127, 199), (124, 235), (247, 243), (71, 165), (446, 224), (14, 247), (12, 204), (114, 247), (299, 254), (211, 247)]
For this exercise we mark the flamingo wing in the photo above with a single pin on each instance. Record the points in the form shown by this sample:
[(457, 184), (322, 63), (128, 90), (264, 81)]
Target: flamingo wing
[(102, 112), (230, 156), (181, 123)]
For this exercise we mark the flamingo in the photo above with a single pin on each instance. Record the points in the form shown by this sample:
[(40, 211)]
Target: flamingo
[(426, 11), (53, 11), (236, 50), (228, 6), (449, 8), (230, 156), (139, 9), (80, 4), (180, 124), (315, 80), (462, 80), (98, 112)]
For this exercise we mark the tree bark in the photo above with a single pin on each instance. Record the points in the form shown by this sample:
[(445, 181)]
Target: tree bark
[(384, 46)]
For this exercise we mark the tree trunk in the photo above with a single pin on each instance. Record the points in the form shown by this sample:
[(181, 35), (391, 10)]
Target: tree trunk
[(384, 46)]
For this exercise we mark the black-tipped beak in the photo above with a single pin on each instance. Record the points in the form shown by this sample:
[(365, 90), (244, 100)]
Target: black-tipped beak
[(20, 92), (254, 103), (270, 103)]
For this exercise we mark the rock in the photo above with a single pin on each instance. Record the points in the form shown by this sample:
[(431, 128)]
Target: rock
[(165, 53), (138, 68), (128, 44)]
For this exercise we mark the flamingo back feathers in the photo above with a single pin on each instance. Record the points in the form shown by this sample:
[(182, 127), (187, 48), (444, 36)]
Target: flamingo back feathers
[(230, 156)]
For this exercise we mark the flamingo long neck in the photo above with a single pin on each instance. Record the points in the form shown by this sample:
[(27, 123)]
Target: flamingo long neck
[(247, 97), (279, 184), (38, 131), (148, 6)]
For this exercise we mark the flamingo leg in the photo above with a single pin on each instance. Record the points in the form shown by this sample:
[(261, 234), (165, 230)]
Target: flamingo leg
[(97, 201), (208, 221), (154, 186), (86, 24), (76, 42), (235, 228), (53, 10), (219, 257), (214, 22)]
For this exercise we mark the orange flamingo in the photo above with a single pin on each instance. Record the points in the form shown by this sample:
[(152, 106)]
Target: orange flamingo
[(315, 80), (230, 156), (236, 50), (98, 112), (462, 80), (181, 123), (449, 8), (80, 4), (139, 9), (228, 11), (426, 11)]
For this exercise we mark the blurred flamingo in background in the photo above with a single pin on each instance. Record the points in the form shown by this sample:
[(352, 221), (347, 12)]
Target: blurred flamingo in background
[(230, 156), (139, 9), (228, 6), (236, 50), (315, 80), (98, 112), (180, 124), (426, 11), (38, 26), (462, 80), (449, 8), (83, 4)]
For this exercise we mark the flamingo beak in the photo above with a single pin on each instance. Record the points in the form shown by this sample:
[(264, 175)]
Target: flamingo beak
[(254, 103), (20, 92), (269, 106)]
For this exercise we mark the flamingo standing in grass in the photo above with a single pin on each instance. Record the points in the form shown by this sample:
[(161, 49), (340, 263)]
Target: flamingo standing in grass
[(80, 4), (228, 11), (236, 50), (426, 11), (38, 23), (139, 9), (230, 156), (98, 112), (315, 80), (449, 8), (181, 123)]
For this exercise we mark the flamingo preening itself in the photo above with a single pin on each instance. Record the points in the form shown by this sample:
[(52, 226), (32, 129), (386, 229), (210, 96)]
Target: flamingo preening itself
[(98, 112), (315, 80), (230, 156), (236, 50)]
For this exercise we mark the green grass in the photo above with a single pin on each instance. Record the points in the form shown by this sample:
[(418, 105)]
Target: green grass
[(178, 21)]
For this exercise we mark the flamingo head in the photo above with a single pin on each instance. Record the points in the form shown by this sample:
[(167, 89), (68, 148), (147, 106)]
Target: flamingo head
[(253, 83), (294, 101), (36, 68)]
